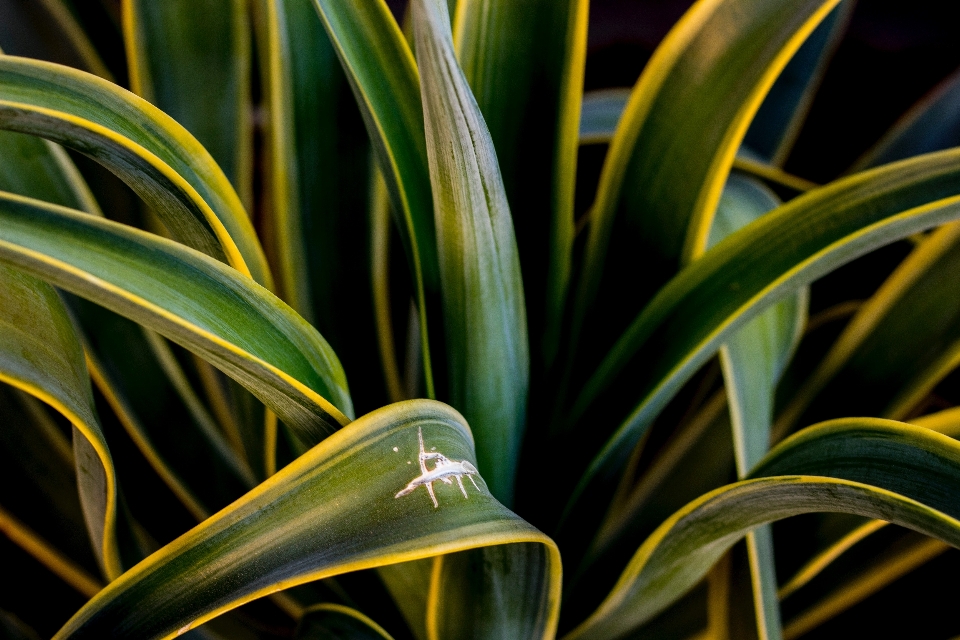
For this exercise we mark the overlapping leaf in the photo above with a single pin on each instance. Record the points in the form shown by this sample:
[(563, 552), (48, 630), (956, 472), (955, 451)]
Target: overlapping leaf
[(40, 353), (483, 298), (192, 60), (879, 468), (324, 514), (524, 62), (674, 146), (157, 157), (766, 260), (188, 297)]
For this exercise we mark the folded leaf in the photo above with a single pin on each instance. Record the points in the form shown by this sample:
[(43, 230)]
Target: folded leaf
[(324, 514)]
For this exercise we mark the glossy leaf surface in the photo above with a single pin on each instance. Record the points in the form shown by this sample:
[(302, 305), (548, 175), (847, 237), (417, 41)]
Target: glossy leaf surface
[(483, 298), (157, 157), (188, 297), (322, 515)]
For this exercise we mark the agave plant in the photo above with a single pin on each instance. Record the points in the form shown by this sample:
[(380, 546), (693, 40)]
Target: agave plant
[(562, 420)]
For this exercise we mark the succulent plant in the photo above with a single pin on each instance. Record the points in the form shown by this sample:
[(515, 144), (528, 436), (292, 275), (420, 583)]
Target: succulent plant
[(577, 401)]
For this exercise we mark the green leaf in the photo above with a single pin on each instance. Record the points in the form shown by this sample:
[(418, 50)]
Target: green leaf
[(40, 353), (491, 593), (191, 299), (525, 63), (324, 514), (325, 621), (41, 169), (777, 123), (930, 125), (409, 586), (767, 260), (192, 60), (878, 468), (601, 113), (675, 144), (896, 348), (753, 360), (755, 357), (484, 314), (157, 157), (384, 78)]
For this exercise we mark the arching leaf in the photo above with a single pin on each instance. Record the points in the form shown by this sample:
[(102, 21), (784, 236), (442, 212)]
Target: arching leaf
[(157, 157), (324, 514), (188, 297)]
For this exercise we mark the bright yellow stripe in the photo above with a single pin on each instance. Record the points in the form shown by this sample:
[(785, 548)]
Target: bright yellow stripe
[(136, 68), (380, 272), (864, 586), (824, 558), (48, 556), (869, 315), (375, 120), (137, 433), (76, 36), (352, 613), (622, 589), (797, 268), (108, 546), (180, 322), (698, 231), (477, 542), (230, 249), (270, 442), (773, 174)]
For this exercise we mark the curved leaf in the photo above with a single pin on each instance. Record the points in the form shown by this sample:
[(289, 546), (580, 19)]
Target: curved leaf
[(525, 63), (384, 78), (491, 593), (324, 621), (189, 298), (783, 250), (192, 60), (753, 360), (40, 353), (324, 514), (778, 120), (483, 299), (157, 157), (898, 345), (865, 466), (676, 142)]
